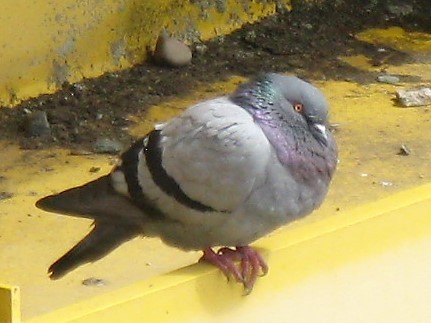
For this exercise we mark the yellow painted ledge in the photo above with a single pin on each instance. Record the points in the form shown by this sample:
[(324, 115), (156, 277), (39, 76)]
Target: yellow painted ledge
[(357, 266), (10, 307), (46, 43)]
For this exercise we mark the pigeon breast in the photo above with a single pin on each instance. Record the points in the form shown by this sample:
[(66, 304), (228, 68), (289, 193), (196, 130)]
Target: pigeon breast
[(224, 176)]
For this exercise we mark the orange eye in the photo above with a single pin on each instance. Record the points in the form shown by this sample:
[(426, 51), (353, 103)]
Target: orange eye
[(298, 107)]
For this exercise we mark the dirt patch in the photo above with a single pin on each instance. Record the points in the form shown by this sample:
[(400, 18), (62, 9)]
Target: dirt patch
[(305, 41)]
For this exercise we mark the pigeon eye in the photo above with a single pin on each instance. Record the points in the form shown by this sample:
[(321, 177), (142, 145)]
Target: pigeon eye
[(298, 107)]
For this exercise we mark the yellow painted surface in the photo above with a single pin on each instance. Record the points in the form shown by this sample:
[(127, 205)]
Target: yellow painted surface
[(46, 43), (397, 38), (363, 256), (365, 265), (10, 307)]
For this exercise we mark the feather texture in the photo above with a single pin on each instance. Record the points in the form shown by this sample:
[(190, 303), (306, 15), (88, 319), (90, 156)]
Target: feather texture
[(224, 173)]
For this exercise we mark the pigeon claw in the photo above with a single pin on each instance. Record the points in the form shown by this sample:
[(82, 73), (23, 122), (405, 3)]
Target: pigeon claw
[(251, 264), (225, 264)]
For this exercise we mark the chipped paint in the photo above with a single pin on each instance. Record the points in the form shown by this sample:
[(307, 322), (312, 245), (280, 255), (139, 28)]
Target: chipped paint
[(60, 74), (118, 51)]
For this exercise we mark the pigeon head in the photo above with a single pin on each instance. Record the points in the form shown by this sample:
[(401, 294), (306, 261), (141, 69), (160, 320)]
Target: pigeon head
[(293, 115), (286, 101)]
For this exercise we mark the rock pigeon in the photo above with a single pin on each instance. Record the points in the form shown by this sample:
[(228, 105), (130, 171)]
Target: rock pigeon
[(224, 173)]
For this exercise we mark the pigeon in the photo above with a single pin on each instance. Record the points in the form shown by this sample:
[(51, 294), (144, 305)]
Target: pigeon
[(222, 174)]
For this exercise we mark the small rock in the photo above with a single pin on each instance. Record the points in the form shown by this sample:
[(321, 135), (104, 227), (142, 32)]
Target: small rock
[(386, 183), (201, 49), (250, 36), (400, 10), (92, 281), (94, 169), (404, 150), (79, 152), (220, 39), (387, 78), (334, 127), (414, 97), (5, 195), (37, 124), (308, 26), (171, 52), (107, 146)]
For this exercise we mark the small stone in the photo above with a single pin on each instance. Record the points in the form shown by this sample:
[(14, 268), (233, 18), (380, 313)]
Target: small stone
[(94, 169), (387, 78), (171, 52), (400, 10), (79, 152), (334, 127), (107, 146), (37, 124), (250, 36), (201, 49), (220, 39), (5, 195), (308, 26), (404, 150), (414, 97), (92, 281), (281, 7), (386, 183)]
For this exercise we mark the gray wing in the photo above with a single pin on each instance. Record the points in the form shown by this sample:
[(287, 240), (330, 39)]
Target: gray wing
[(215, 152)]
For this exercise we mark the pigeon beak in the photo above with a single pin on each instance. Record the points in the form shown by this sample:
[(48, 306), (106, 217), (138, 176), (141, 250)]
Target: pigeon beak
[(322, 130)]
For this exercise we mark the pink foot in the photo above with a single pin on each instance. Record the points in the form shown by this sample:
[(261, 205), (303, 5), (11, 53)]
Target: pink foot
[(226, 264), (251, 264)]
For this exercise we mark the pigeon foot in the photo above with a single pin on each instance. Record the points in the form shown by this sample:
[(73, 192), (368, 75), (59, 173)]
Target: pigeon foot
[(251, 264)]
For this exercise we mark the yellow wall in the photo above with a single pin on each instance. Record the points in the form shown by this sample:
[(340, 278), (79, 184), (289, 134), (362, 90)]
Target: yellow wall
[(45, 43)]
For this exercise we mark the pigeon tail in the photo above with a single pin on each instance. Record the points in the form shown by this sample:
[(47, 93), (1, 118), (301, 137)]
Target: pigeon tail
[(103, 238), (95, 200), (79, 201)]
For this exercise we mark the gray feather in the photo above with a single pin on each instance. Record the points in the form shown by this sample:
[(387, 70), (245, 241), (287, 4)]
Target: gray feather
[(117, 220), (103, 238), (94, 200), (225, 172)]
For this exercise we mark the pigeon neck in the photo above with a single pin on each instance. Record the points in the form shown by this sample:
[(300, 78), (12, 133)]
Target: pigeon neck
[(300, 153), (256, 96)]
